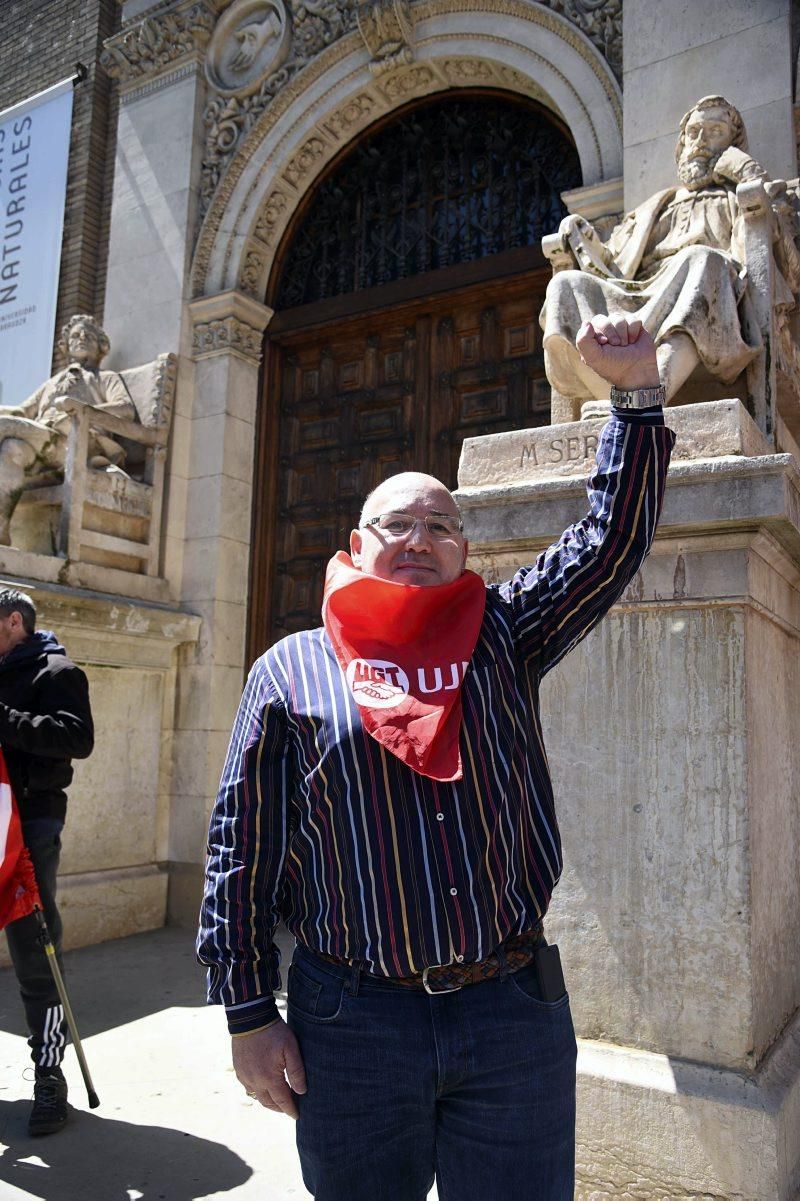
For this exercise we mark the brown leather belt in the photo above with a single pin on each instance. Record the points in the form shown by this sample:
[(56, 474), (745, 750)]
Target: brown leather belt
[(517, 951)]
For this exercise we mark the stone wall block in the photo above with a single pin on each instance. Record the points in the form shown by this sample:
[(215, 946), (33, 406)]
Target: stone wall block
[(222, 445), (222, 636), (652, 801), (190, 833), (97, 906), (198, 759), (125, 762), (773, 654), (215, 568), (655, 100), (655, 32), (208, 698), (226, 384)]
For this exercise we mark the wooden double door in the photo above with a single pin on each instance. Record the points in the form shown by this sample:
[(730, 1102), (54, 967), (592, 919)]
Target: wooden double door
[(347, 403)]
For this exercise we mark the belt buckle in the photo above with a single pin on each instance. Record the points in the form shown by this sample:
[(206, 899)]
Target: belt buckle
[(439, 992)]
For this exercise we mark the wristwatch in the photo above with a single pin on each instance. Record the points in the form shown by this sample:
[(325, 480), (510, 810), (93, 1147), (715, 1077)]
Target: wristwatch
[(638, 398)]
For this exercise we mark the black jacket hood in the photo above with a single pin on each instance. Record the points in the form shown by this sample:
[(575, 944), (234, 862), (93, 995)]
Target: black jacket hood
[(42, 642)]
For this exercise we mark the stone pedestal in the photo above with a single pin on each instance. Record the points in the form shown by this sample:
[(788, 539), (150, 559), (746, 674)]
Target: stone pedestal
[(672, 733), (113, 878)]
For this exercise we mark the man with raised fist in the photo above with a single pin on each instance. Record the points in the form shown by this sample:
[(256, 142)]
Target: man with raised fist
[(386, 794)]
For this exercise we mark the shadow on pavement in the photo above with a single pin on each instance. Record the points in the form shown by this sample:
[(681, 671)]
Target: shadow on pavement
[(121, 981), (105, 1160), (118, 982)]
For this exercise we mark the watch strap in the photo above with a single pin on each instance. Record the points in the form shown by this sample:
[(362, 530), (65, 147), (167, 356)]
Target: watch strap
[(638, 398)]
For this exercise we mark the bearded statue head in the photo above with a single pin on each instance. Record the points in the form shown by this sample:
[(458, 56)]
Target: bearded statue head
[(707, 130)]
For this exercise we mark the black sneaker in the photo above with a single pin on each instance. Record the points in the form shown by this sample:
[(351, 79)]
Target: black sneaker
[(49, 1112)]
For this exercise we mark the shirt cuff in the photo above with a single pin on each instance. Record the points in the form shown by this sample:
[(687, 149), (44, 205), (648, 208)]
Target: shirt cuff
[(242, 1019), (652, 416)]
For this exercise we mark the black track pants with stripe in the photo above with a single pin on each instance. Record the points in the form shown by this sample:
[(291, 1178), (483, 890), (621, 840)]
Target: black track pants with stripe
[(43, 1010)]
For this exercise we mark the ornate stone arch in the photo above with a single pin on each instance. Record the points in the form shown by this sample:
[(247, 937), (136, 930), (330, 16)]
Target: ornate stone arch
[(336, 97)]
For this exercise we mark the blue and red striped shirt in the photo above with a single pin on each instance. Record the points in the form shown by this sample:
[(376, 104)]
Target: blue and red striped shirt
[(316, 824)]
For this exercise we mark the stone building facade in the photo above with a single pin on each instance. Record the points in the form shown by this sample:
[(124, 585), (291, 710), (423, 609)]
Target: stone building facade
[(282, 222)]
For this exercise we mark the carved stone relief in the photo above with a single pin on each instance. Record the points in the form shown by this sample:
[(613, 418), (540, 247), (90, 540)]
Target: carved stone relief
[(386, 28), (356, 112), (408, 83), (251, 42), (600, 21), (258, 46), (236, 125), (215, 337), (270, 219), (160, 40), (315, 24)]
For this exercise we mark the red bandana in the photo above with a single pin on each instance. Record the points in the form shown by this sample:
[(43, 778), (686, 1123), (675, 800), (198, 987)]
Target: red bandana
[(404, 650)]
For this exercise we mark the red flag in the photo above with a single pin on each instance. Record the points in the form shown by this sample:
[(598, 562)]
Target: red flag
[(18, 892)]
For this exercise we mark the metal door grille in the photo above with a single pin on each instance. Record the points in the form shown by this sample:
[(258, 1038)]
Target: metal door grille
[(449, 183)]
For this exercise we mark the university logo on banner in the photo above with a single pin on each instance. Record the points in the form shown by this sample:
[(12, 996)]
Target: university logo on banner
[(34, 152)]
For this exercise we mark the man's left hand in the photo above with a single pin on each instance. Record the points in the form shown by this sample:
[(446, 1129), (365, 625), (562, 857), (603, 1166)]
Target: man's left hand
[(620, 351)]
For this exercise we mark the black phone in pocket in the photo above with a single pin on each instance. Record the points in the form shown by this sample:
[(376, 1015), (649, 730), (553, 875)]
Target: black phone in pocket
[(549, 974)]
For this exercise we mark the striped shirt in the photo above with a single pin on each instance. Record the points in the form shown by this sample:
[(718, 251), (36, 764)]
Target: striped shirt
[(317, 824)]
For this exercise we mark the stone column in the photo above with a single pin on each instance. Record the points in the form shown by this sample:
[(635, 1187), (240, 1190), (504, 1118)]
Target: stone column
[(209, 550), (673, 737)]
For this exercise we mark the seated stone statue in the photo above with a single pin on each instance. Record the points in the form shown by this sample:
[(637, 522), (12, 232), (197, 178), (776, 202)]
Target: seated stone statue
[(675, 262), (33, 435)]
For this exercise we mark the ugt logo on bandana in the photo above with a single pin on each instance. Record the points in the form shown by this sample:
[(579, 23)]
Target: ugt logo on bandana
[(411, 707), (376, 683)]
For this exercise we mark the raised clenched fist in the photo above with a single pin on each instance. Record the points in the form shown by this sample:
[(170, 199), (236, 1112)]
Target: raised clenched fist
[(620, 351)]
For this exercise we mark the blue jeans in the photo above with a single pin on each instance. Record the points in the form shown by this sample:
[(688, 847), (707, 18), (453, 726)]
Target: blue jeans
[(476, 1087)]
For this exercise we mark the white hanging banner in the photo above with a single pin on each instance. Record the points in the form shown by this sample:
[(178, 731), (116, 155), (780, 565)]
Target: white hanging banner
[(34, 152)]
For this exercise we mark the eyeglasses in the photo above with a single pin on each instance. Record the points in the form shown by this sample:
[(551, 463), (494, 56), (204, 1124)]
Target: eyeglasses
[(398, 525)]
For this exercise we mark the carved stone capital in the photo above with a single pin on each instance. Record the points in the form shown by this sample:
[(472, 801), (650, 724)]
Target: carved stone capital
[(387, 29), (229, 323), (160, 40)]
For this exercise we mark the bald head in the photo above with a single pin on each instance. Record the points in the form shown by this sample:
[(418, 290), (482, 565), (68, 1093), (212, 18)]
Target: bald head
[(408, 488), (416, 557)]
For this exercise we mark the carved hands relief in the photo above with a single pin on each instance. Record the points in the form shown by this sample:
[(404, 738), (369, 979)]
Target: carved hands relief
[(250, 43)]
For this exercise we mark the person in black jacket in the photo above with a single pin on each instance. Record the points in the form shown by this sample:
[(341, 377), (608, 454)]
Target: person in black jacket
[(45, 722)]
